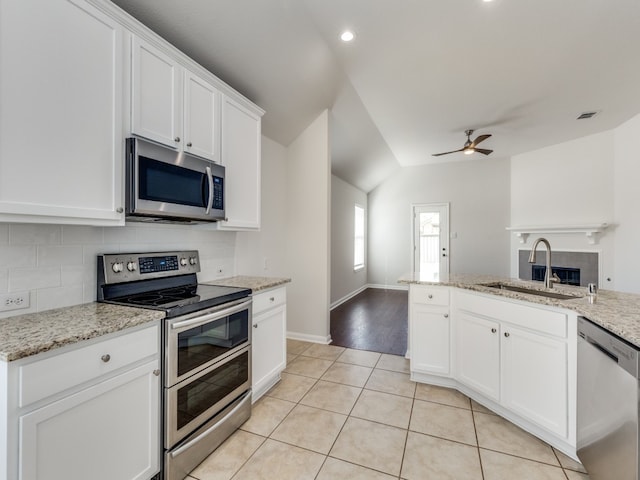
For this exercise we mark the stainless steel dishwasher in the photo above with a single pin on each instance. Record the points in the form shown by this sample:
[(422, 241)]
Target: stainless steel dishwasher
[(607, 433)]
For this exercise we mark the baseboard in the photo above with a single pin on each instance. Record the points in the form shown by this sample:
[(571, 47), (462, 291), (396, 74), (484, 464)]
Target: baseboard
[(339, 302), (309, 338), (388, 287)]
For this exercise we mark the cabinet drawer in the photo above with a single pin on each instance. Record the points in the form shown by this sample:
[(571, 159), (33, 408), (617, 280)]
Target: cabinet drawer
[(270, 299), (55, 374), (428, 295), (536, 319)]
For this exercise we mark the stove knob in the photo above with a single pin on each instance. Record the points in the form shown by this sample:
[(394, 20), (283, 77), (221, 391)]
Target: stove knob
[(132, 267), (183, 262), (192, 260), (117, 267)]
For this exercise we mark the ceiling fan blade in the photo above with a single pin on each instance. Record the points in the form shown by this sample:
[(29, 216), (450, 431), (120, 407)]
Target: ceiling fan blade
[(447, 153), (483, 150), (481, 138)]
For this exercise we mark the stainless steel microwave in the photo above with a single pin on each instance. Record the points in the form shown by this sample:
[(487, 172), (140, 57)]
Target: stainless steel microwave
[(164, 185)]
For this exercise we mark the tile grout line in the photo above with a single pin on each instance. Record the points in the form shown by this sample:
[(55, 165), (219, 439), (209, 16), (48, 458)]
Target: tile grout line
[(475, 429)]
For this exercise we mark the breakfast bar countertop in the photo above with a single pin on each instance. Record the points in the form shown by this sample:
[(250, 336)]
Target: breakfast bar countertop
[(617, 312)]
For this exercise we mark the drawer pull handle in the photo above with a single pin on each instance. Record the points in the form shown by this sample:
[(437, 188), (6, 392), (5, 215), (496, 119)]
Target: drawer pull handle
[(177, 139), (272, 299), (105, 358), (446, 315), (493, 330), (189, 144), (156, 372), (255, 325), (506, 334), (429, 296)]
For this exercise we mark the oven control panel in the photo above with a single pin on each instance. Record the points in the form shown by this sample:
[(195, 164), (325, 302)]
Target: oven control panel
[(128, 267)]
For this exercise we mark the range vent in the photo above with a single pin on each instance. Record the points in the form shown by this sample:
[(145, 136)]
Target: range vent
[(584, 115)]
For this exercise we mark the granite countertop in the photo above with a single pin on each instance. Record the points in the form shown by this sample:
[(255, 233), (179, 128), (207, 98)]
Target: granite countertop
[(615, 311), (25, 335), (256, 284)]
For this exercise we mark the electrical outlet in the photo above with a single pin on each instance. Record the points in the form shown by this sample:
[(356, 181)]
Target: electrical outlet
[(14, 301)]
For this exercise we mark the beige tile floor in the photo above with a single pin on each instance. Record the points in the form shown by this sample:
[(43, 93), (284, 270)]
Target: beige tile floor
[(348, 414)]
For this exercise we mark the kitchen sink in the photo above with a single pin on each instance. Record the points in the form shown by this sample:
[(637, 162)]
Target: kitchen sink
[(531, 291)]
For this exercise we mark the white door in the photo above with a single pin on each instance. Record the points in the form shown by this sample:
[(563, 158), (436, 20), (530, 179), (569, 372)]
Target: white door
[(241, 147), (201, 118), (430, 340), (156, 103), (534, 378), (478, 353), (268, 349), (109, 431), (431, 241)]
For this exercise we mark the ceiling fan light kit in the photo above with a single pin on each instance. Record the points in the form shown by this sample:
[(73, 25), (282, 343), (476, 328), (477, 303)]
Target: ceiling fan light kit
[(470, 146)]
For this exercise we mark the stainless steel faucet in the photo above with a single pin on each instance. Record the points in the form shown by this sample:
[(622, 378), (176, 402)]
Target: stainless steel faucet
[(549, 278)]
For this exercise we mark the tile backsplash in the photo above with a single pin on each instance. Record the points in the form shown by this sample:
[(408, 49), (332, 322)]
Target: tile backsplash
[(56, 264)]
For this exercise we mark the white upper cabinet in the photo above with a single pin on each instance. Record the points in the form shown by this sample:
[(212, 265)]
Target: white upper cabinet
[(171, 105), (201, 118), (241, 148), (61, 145), (156, 95)]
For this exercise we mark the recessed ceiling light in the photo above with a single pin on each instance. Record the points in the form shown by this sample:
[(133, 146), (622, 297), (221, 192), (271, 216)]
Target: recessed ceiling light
[(347, 36)]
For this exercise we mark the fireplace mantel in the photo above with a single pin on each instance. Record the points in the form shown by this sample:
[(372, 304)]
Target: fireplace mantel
[(590, 231)]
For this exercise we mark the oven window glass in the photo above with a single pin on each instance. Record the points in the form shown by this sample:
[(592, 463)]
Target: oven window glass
[(200, 345), (197, 396), (163, 182)]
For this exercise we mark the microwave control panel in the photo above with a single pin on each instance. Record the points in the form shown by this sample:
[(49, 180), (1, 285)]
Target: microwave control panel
[(218, 193)]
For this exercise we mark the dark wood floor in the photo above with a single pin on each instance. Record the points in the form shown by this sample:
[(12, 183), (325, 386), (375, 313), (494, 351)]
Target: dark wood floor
[(374, 320)]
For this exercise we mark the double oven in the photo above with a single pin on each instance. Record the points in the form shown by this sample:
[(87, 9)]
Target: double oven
[(206, 349)]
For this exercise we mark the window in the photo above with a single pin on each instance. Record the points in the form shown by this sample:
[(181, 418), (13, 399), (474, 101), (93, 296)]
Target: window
[(358, 239)]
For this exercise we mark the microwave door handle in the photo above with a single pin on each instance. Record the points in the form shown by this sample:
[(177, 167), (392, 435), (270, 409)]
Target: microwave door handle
[(210, 199)]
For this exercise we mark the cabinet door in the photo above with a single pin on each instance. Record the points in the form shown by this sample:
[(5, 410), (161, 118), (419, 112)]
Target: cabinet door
[(268, 349), (201, 118), (156, 95), (61, 144), (430, 336), (478, 354), (534, 378), (106, 432), (241, 146)]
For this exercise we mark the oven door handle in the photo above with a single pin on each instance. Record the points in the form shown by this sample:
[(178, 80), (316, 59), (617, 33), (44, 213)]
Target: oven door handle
[(212, 316), (211, 429)]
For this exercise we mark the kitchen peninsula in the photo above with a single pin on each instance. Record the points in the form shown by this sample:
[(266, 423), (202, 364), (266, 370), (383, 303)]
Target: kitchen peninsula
[(510, 345)]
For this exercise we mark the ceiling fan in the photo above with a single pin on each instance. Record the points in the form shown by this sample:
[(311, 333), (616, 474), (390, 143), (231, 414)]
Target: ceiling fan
[(470, 146)]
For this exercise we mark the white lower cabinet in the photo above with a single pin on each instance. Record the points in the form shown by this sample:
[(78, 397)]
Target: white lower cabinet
[(429, 330), (478, 354), (516, 357), (105, 427), (105, 432), (534, 374), (268, 344)]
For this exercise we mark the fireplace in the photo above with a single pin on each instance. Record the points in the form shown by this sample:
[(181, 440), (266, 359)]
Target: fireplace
[(573, 268)]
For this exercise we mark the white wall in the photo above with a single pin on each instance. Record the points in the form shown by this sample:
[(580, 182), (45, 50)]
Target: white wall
[(57, 264), (627, 206), (344, 281), (565, 185), (308, 232), (263, 253), (478, 193)]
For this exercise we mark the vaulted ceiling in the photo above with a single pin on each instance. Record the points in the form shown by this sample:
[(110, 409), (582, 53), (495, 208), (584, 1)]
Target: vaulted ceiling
[(418, 73)]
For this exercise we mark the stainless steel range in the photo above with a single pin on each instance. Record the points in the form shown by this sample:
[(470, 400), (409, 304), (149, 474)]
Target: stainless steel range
[(206, 349)]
